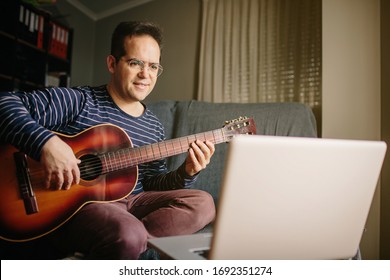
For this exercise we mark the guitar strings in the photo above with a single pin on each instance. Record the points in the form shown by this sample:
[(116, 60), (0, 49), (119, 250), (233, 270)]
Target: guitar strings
[(130, 157), (95, 164), (127, 158)]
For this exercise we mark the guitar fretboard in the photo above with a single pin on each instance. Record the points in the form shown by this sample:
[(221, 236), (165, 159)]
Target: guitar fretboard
[(129, 157)]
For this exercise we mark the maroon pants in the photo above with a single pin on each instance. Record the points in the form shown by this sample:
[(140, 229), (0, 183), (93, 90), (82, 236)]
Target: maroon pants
[(119, 230)]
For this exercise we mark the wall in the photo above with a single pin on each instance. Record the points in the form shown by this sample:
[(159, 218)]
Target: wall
[(180, 21), (351, 84), (385, 102)]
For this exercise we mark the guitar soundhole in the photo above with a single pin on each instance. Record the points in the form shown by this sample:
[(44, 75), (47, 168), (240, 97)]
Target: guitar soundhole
[(90, 167)]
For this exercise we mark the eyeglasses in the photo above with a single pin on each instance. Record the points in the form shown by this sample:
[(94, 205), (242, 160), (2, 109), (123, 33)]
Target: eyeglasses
[(139, 65)]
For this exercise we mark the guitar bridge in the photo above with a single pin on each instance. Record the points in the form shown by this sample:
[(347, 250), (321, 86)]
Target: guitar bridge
[(25, 187)]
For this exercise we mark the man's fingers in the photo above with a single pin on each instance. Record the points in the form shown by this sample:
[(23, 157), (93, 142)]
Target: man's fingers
[(62, 179)]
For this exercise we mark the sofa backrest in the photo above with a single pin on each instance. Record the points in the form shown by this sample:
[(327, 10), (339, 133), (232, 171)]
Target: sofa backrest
[(182, 118)]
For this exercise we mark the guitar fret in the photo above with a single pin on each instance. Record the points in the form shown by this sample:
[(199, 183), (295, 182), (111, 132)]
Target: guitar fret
[(165, 151), (217, 134), (149, 152), (159, 149), (110, 162), (111, 168), (133, 155), (125, 158), (122, 159), (105, 165), (183, 145), (139, 154), (115, 162)]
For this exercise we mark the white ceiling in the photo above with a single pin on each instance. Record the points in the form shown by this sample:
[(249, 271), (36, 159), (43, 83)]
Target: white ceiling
[(98, 9)]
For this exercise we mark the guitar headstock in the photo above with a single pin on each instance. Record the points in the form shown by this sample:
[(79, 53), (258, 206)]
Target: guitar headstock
[(241, 125)]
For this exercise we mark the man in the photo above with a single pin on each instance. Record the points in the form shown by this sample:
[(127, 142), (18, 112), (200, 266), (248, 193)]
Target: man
[(161, 203)]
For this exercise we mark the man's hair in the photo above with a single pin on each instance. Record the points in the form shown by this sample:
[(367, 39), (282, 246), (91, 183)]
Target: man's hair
[(133, 28)]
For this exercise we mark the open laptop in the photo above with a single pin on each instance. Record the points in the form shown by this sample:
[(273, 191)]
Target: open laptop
[(288, 198)]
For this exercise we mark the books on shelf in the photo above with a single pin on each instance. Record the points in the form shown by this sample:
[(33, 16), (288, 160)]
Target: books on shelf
[(31, 26), (59, 39)]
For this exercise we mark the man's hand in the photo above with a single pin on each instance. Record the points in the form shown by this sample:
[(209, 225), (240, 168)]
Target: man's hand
[(199, 156), (60, 164)]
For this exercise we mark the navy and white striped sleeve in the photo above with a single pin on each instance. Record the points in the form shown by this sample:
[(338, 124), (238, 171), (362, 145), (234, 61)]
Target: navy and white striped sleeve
[(26, 119), (176, 179)]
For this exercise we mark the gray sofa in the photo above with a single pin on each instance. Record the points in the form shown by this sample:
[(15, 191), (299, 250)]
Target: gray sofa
[(182, 118)]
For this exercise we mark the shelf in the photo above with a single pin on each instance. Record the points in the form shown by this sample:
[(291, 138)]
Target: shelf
[(21, 41), (5, 34), (17, 84), (34, 46)]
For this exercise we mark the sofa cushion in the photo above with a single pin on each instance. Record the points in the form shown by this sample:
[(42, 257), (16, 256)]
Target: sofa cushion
[(165, 111), (182, 118)]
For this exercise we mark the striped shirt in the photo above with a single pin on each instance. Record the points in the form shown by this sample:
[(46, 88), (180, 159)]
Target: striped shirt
[(28, 119)]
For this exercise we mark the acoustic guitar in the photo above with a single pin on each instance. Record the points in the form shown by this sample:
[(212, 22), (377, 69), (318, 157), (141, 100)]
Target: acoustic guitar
[(108, 171)]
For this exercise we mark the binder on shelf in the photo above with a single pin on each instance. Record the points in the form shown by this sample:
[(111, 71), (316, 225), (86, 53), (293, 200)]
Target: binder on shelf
[(26, 25), (31, 25), (40, 30), (58, 43)]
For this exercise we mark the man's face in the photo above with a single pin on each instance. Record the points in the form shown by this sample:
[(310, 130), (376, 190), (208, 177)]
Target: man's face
[(131, 81)]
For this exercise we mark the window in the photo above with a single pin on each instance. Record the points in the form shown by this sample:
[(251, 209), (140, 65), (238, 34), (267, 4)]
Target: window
[(261, 51)]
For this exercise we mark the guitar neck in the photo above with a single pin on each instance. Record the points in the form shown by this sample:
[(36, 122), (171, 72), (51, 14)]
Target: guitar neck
[(129, 157)]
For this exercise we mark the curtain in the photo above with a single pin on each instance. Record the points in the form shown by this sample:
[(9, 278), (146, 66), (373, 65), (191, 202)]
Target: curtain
[(261, 51)]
